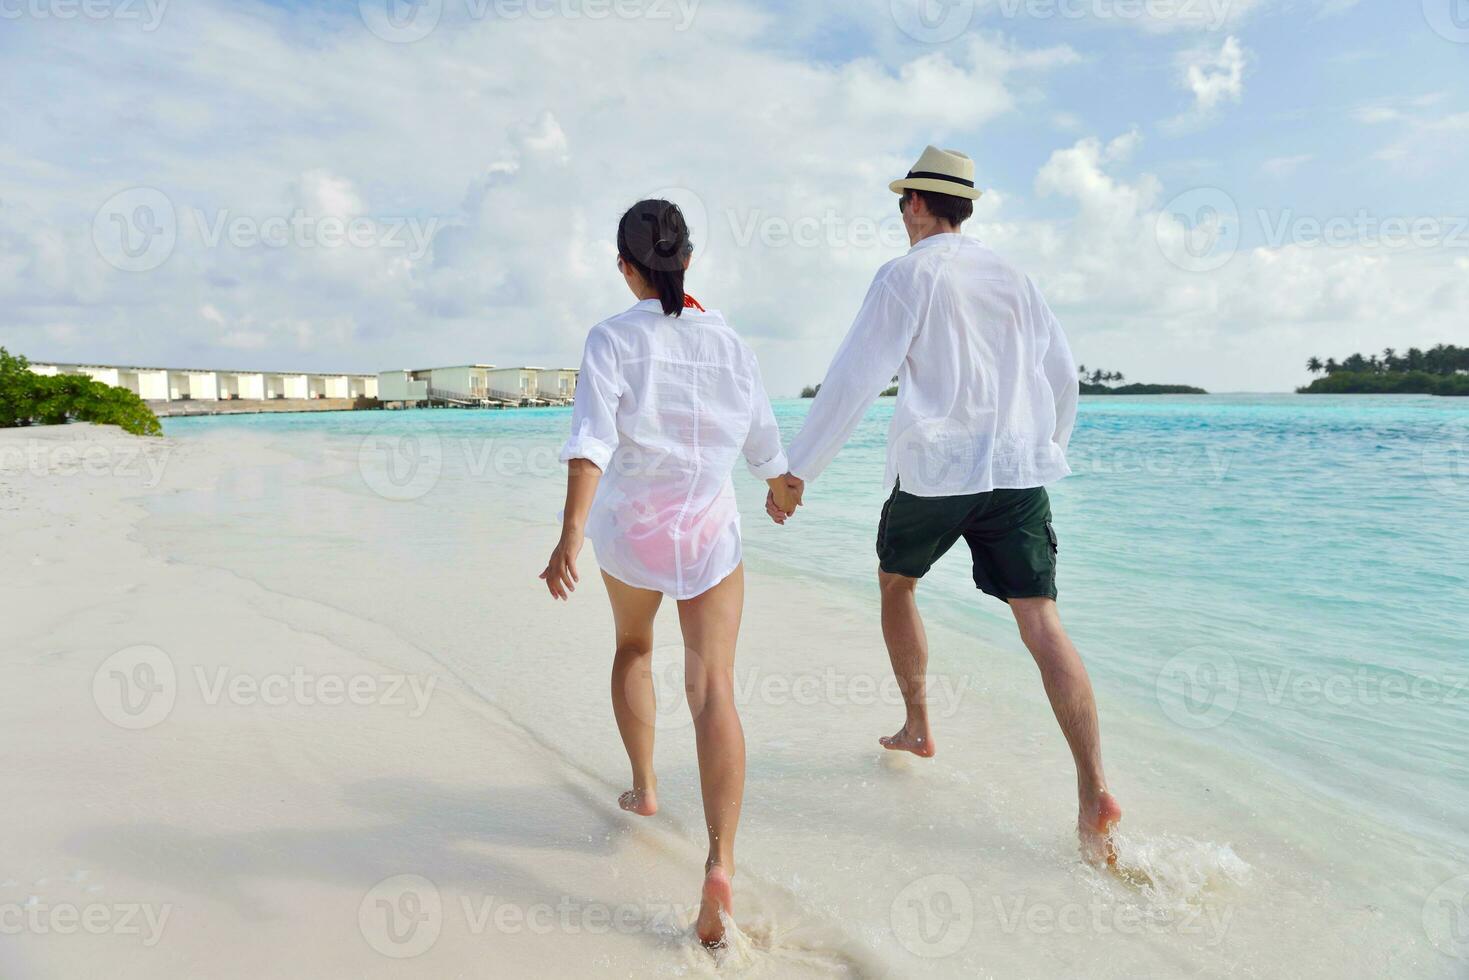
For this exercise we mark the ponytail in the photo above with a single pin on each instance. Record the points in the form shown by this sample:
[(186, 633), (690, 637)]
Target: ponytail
[(654, 239)]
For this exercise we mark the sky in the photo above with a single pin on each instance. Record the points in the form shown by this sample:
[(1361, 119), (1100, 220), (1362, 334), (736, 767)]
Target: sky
[(1207, 191)]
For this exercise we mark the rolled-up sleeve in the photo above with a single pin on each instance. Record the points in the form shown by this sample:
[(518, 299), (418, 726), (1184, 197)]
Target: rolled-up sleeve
[(763, 451), (594, 415), (1059, 367), (864, 365)]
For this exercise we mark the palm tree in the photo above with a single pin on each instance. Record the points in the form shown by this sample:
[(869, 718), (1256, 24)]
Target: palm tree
[(1314, 365), (1118, 377)]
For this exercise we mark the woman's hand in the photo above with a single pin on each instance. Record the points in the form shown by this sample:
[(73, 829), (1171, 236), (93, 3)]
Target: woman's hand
[(560, 575), (784, 497)]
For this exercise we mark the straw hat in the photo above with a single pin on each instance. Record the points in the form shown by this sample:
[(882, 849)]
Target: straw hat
[(940, 172)]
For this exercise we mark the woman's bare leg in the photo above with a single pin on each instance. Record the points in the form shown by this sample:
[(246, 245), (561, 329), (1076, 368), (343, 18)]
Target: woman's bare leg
[(633, 700), (711, 628)]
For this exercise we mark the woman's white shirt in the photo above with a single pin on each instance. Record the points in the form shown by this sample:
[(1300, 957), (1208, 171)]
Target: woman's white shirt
[(665, 406)]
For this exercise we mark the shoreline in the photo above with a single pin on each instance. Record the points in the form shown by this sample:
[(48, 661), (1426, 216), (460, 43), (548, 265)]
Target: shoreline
[(191, 571)]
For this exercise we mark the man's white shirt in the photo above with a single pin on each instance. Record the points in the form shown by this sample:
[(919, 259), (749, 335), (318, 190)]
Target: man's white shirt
[(987, 386)]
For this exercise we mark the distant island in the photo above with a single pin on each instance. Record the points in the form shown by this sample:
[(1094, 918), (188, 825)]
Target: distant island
[(1092, 383), (1100, 382), (1444, 370)]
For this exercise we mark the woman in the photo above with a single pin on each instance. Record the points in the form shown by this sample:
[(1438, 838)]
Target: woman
[(668, 398)]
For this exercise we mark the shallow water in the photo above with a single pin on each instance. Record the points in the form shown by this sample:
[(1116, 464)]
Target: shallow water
[(1266, 589)]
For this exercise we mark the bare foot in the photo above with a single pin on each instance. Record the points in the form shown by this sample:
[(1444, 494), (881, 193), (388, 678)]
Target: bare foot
[(718, 897), (643, 802), (910, 738), (1094, 826)]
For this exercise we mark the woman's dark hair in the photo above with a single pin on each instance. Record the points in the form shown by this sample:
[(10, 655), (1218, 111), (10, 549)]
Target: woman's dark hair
[(654, 239)]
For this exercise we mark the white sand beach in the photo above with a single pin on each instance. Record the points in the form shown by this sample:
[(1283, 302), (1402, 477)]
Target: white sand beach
[(261, 721), (236, 793)]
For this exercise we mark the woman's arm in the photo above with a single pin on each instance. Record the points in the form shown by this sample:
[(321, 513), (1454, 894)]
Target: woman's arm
[(587, 454), (561, 575), (763, 452)]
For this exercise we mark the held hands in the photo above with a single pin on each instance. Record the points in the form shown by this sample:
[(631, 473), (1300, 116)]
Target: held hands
[(784, 497), (560, 574)]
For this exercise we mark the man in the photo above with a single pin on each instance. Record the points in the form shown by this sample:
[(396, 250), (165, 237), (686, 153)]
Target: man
[(987, 395)]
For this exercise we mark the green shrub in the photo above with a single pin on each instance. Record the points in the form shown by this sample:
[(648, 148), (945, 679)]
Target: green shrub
[(27, 398)]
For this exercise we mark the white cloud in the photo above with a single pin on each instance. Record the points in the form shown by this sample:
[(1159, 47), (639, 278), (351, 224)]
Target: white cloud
[(1108, 271), (1213, 78), (1286, 166), (321, 193), (519, 141), (1424, 140)]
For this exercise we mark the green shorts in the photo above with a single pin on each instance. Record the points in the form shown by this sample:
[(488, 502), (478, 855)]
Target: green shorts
[(1009, 534)]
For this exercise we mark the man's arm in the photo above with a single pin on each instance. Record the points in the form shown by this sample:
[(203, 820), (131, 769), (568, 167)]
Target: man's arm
[(864, 365), (1060, 369)]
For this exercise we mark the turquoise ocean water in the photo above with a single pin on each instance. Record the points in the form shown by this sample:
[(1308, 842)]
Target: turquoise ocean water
[(1276, 580)]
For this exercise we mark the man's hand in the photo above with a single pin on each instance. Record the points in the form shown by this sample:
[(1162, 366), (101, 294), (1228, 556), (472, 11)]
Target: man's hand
[(784, 497)]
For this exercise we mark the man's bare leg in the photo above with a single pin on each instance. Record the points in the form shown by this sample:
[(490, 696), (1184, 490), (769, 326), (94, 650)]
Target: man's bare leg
[(1070, 691), (902, 628)]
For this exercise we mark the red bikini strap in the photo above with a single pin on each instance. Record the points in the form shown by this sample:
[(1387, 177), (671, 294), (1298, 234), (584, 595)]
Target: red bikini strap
[(689, 303)]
